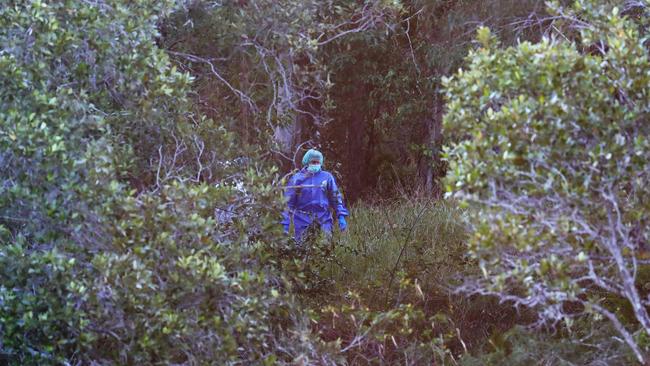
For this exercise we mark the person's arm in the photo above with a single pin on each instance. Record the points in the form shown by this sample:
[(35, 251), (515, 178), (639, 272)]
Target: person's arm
[(336, 203)]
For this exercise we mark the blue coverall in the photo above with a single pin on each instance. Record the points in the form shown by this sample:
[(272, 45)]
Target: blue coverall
[(310, 196)]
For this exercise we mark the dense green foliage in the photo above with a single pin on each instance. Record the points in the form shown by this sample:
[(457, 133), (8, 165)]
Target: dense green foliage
[(128, 235), (39, 314), (556, 165), (140, 142), (64, 72)]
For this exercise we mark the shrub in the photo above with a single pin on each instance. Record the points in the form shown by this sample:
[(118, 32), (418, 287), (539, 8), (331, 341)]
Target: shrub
[(124, 240), (553, 159), (180, 287), (40, 315)]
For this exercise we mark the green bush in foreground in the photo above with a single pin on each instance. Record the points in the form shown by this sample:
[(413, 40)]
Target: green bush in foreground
[(121, 240), (180, 287), (40, 315), (556, 165)]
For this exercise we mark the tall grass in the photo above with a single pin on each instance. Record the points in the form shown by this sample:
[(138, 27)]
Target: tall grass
[(384, 293), (395, 267), (419, 239)]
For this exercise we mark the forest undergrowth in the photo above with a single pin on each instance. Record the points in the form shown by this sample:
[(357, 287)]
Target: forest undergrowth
[(384, 288), (385, 293)]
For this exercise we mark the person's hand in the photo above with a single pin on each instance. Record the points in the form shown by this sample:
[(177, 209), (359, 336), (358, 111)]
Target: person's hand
[(343, 225)]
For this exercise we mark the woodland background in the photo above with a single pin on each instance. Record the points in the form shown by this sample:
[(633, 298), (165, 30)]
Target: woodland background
[(494, 154)]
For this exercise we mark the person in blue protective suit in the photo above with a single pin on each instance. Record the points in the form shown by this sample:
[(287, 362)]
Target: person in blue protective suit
[(311, 196)]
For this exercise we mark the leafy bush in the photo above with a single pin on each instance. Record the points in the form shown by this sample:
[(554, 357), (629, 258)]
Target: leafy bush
[(132, 232), (81, 84), (67, 70), (180, 287), (553, 155), (40, 318)]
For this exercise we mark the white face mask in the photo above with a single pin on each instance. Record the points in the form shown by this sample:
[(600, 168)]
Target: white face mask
[(314, 168)]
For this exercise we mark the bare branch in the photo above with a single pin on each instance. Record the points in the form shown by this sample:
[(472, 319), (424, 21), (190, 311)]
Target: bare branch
[(245, 98)]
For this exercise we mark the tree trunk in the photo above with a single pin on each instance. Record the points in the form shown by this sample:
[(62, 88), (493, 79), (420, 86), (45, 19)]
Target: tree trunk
[(356, 157), (438, 171), (428, 173)]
